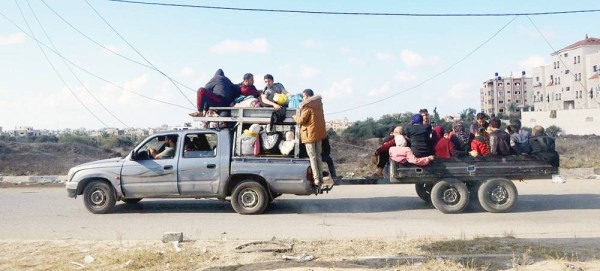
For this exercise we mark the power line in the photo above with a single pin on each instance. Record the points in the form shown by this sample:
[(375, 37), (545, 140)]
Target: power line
[(71, 70), (54, 68), (108, 49), (139, 53), (362, 13), (432, 77), (560, 59), (88, 72)]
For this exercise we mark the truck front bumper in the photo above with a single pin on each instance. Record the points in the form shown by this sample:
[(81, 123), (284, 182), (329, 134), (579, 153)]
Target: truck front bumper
[(72, 189)]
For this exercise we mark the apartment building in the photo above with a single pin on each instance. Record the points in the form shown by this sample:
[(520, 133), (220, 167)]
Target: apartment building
[(500, 94)]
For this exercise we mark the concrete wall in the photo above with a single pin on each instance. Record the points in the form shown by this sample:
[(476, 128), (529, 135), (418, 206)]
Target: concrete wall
[(573, 122)]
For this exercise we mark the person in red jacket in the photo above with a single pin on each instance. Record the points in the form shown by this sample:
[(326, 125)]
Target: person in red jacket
[(479, 145), (444, 148), (381, 156), (247, 87)]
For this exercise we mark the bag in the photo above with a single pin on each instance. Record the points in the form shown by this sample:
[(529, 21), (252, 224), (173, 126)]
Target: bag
[(294, 100), (270, 142), (280, 99), (256, 147)]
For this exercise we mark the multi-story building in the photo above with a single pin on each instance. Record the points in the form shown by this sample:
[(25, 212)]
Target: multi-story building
[(572, 80), (337, 124), (500, 94)]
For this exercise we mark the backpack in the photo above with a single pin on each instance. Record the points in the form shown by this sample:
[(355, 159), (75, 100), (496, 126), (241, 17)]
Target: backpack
[(270, 142)]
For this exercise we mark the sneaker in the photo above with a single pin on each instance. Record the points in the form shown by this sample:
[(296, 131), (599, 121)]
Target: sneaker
[(196, 114)]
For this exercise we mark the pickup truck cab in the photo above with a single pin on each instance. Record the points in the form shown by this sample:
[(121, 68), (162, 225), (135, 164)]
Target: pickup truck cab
[(211, 170), (449, 184)]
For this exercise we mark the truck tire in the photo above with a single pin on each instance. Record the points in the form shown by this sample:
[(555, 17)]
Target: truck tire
[(249, 198), (497, 195), (99, 197), (131, 201), (424, 191), (450, 196)]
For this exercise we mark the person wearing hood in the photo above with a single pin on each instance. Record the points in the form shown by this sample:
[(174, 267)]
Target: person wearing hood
[(444, 148), (219, 91), (312, 131), (419, 135)]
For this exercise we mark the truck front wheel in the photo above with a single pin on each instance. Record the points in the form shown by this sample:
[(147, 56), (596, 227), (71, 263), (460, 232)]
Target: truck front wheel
[(99, 197), (497, 195), (249, 198), (450, 196)]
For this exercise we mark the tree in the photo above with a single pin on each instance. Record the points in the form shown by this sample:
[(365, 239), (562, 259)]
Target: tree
[(553, 131), (468, 115)]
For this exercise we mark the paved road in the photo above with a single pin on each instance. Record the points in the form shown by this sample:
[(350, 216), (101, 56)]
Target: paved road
[(544, 210)]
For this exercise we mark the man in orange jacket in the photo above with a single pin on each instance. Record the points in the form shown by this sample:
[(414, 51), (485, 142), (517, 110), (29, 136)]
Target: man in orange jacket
[(312, 131)]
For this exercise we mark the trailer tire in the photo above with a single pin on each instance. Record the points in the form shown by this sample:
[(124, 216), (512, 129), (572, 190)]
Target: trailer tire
[(99, 197), (450, 196), (424, 191), (497, 195), (249, 198)]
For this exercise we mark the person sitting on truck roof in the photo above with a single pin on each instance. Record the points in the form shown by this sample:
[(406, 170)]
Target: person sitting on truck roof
[(402, 154), (268, 94), (219, 91), (168, 152), (381, 156), (461, 138), (419, 135), (499, 140), (247, 87), (443, 146)]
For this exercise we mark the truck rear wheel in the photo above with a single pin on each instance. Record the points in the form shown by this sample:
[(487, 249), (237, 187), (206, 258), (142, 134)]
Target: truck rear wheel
[(249, 198), (497, 195), (424, 191), (99, 197), (450, 196)]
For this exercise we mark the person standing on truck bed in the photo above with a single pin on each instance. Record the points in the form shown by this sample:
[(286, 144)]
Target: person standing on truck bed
[(312, 131), (268, 94), (168, 152), (381, 156), (419, 135)]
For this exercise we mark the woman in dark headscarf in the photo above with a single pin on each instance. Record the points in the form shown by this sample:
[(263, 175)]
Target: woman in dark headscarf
[(461, 138), (420, 137)]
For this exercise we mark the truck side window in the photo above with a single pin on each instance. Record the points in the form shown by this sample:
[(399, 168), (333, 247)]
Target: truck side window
[(200, 145)]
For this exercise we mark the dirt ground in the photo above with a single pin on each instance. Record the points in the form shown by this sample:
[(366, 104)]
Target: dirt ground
[(505, 253)]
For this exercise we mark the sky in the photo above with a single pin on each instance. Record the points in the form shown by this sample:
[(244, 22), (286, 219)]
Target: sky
[(363, 66)]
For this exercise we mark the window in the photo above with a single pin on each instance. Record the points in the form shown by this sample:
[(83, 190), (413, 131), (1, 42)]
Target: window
[(508, 92), (517, 92), (595, 68), (500, 102), (579, 76), (578, 59), (559, 96), (200, 145), (566, 71), (517, 84), (537, 78), (552, 78), (558, 80), (554, 65), (499, 84), (568, 88), (566, 54), (518, 101), (558, 64), (500, 94), (574, 60), (501, 110)]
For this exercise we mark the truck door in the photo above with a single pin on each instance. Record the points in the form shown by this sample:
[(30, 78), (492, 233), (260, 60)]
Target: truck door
[(146, 176), (199, 167)]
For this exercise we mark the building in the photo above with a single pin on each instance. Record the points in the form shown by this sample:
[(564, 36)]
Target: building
[(567, 91), (572, 80), (500, 95), (337, 124)]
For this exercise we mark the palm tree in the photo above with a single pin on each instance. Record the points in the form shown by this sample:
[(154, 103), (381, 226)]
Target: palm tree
[(512, 108)]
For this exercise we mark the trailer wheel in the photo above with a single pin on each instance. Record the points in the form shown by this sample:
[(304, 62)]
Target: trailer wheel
[(99, 197), (497, 195), (249, 198), (424, 191), (450, 196)]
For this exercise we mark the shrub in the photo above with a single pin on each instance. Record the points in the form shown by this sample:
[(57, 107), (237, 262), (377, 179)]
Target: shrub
[(553, 131)]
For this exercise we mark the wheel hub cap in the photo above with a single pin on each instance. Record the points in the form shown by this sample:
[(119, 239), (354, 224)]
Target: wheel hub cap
[(98, 197), (451, 195), (499, 195), (249, 198)]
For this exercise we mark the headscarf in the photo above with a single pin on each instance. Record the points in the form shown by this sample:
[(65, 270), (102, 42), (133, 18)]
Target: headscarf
[(438, 133), (459, 131), (400, 140), (416, 119)]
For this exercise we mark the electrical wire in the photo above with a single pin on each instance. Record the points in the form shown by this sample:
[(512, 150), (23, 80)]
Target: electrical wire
[(108, 49), (88, 72), (561, 61), (55, 70), (361, 13), (432, 77), (68, 67), (140, 54)]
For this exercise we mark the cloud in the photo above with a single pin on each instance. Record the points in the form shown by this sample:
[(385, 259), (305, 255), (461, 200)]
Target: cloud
[(12, 39), (311, 44), (308, 72), (381, 90), (412, 59), (457, 91), (532, 62), (185, 72), (385, 57), (356, 61), (259, 46), (345, 51), (404, 76), (339, 89)]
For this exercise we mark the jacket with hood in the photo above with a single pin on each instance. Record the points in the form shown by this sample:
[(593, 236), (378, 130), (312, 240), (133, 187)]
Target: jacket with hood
[(221, 86), (444, 148), (311, 120)]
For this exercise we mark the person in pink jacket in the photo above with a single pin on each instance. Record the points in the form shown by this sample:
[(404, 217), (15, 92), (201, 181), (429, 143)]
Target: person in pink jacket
[(402, 154)]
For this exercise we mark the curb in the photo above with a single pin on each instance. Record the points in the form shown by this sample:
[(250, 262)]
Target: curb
[(33, 179)]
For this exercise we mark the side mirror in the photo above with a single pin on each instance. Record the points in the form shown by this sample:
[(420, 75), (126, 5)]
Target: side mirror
[(133, 155)]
